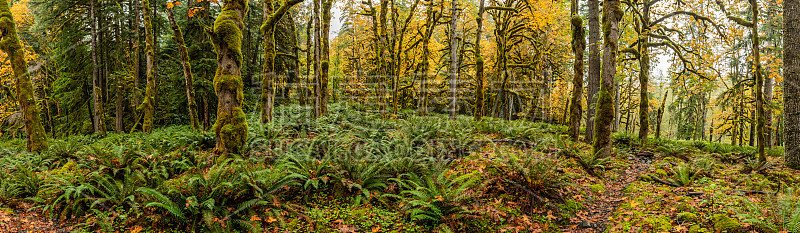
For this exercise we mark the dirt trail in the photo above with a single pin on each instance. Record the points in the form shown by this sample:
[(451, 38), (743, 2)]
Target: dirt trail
[(595, 215), (15, 220)]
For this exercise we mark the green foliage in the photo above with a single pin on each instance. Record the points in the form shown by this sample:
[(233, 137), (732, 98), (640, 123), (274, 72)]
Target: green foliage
[(778, 213), (432, 200), (684, 174)]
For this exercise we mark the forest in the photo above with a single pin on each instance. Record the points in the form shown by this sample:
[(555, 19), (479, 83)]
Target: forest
[(400, 116)]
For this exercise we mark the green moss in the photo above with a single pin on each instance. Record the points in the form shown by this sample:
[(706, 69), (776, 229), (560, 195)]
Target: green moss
[(597, 188), (645, 178), (687, 217), (577, 21), (724, 223), (659, 223), (698, 229), (661, 172)]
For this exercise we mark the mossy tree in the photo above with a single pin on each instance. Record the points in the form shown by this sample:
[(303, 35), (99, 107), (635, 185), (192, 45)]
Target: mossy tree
[(791, 78), (97, 111), (578, 47), (187, 68), (226, 35), (593, 74), (271, 19), (758, 86), (325, 56), (11, 45), (149, 92), (480, 93), (612, 14)]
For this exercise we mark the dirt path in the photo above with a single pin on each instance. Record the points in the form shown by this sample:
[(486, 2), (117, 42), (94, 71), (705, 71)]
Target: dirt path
[(595, 215), (15, 220)]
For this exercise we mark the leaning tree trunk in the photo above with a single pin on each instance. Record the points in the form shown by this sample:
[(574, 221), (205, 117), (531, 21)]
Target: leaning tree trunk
[(480, 93), (187, 69), (594, 67), (10, 44), (612, 13), (660, 114), (97, 114), (149, 93), (226, 35), (578, 47)]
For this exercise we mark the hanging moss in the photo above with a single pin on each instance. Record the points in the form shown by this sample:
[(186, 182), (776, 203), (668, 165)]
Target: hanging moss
[(10, 44)]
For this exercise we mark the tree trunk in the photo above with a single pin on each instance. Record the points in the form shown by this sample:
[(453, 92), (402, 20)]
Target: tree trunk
[(317, 61), (226, 35), (187, 69), (660, 115), (136, 68), (759, 89), (644, 73), (97, 90), (326, 54), (453, 61), (149, 93), (480, 93), (612, 13), (768, 129), (34, 131), (594, 67), (268, 30), (578, 47)]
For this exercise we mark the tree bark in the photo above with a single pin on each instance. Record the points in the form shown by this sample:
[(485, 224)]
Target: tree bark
[(226, 35), (11, 45), (149, 93), (578, 47), (271, 20), (480, 93), (453, 60), (612, 14), (644, 73), (97, 90), (759, 89), (660, 115), (325, 53), (187, 69), (594, 67)]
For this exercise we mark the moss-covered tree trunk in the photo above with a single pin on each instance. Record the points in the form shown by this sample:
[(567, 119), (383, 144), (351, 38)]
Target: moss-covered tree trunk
[(226, 35), (593, 75), (149, 92), (424, 67), (759, 85), (317, 60), (10, 44), (325, 53), (97, 113), (480, 93), (612, 14), (271, 19), (578, 47), (644, 72), (187, 69)]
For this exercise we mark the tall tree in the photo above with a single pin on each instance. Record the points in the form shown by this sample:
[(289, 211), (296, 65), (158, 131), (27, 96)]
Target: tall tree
[(325, 54), (791, 79), (11, 45), (149, 92), (594, 66), (612, 14), (578, 47), (97, 113), (271, 19), (758, 77), (226, 35), (480, 93), (187, 68), (453, 60)]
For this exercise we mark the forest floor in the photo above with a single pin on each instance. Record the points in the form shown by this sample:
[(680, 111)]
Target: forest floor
[(355, 172)]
